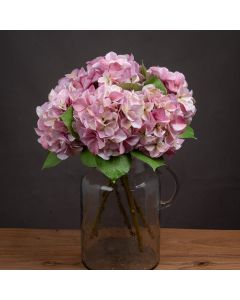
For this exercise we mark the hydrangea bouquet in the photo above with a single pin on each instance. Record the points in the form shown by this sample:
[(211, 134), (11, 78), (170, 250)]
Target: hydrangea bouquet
[(112, 113), (114, 110)]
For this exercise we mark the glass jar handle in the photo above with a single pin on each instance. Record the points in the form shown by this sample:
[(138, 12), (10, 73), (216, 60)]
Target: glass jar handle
[(168, 202)]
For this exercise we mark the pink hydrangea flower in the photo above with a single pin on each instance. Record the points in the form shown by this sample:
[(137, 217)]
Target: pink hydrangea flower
[(168, 121), (111, 121), (98, 120), (187, 103), (53, 135), (173, 80), (133, 109), (115, 68)]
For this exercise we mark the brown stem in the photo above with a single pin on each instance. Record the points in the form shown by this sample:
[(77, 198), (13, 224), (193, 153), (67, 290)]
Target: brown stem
[(99, 213), (122, 210), (140, 212), (130, 199)]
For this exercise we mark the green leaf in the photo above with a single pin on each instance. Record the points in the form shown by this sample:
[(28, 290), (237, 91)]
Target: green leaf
[(51, 161), (158, 84), (188, 133), (154, 163), (67, 118), (143, 70), (115, 167), (88, 159), (131, 86)]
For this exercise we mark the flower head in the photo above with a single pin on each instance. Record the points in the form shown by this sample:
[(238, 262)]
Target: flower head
[(53, 134), (109, 120), (173, 80), (115, 68)]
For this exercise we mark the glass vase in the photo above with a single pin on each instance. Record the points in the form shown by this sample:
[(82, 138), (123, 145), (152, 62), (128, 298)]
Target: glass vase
[(120, 221)]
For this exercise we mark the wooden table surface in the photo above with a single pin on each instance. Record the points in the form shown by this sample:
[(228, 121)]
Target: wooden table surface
[(60, 249)]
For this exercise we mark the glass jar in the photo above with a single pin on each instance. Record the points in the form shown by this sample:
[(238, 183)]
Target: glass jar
[(120, 222)]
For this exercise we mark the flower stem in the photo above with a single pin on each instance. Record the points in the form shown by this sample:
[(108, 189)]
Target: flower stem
[(99, 213), (122, 210), (140, 212), (131, 204)]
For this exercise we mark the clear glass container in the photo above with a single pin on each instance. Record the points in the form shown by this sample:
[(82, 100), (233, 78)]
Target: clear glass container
[(120, 222)]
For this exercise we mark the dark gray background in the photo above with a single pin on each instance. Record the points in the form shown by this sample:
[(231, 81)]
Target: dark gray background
[(208, 169)]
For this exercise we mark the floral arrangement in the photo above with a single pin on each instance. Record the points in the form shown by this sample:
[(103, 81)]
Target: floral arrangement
[(114, 110)]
